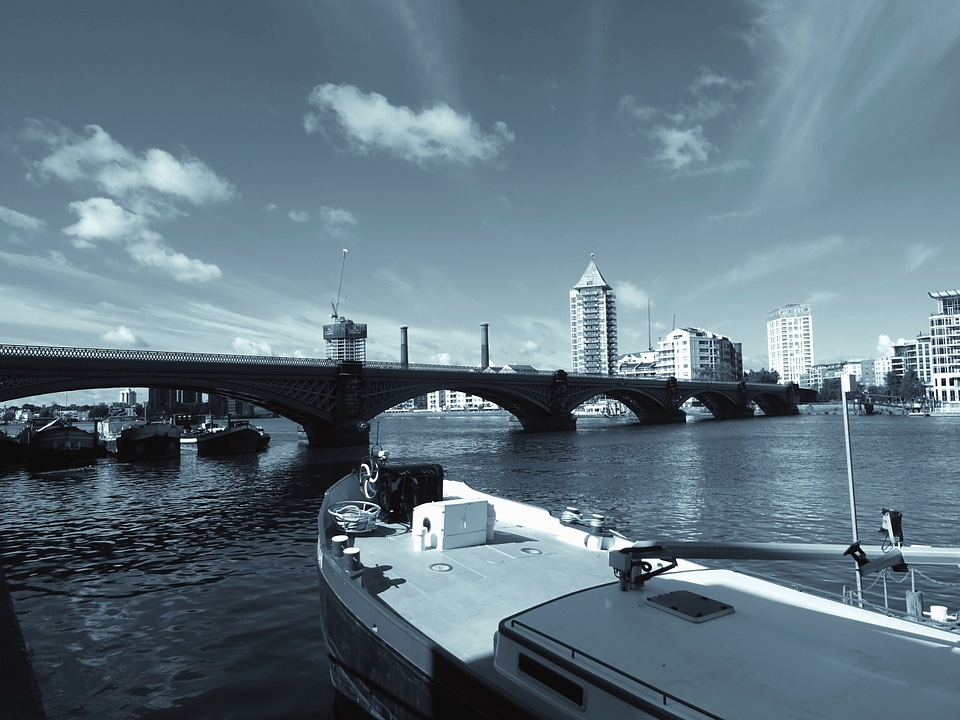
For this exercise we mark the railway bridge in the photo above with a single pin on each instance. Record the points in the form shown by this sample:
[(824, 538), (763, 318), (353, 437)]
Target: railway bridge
[(335, 401)]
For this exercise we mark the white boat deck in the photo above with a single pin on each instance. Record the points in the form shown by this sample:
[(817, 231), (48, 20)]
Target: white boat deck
[(461, 608), (780, 654)]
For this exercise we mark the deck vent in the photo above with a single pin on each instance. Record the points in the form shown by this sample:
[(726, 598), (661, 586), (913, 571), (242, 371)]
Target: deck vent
[(690, 606)]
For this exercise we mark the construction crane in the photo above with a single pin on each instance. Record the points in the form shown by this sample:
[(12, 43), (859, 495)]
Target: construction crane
[(336, 303)]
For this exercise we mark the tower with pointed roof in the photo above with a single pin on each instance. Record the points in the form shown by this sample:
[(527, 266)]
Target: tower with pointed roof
[(593, 324)]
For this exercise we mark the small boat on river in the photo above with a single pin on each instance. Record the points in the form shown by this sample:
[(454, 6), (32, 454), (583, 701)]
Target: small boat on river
[(148, 441), (238, 437), (440, 601), (12, 451), (60, 444)]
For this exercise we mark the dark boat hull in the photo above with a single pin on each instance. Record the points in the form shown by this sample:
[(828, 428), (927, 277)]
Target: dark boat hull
[(12, 451), (148, 442), (62, 447), (423, 683), (232, 441)]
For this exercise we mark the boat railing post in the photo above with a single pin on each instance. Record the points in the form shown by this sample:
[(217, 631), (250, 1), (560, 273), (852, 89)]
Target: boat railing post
[(847, 382)]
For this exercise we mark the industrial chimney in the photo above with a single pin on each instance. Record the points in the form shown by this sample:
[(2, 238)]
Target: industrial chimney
[(404, 360), (484, 347)]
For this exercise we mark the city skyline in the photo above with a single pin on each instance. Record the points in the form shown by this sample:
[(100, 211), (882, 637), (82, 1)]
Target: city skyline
[(185, 178)]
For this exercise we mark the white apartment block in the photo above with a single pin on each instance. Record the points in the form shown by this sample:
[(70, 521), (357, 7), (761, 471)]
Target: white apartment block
[(944, 378), (790, 343), (697, 354), (882, 366), (593, 324), (643, 364), (456, 401), (916, 356)]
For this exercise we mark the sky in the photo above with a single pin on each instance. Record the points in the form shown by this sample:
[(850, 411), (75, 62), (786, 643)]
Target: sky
[(185, 176)]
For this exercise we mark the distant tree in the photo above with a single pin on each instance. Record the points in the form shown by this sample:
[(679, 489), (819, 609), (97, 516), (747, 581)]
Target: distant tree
[(830, 390), (100, 411), (893, 384), (762, 376), (9, 414), (911, 387)]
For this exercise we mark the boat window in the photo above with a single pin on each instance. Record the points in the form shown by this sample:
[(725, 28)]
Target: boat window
[(551, 678)]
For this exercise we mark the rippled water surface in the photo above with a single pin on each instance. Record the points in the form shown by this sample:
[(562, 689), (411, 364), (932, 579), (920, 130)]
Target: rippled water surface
[(188, 590)]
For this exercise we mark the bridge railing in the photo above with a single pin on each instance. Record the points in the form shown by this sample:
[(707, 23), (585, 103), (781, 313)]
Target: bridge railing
[(153, 355), (115, 354)]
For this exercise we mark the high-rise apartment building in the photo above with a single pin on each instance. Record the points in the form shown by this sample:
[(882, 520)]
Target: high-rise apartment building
[(697, 354), (944, 379), (593, 324), (790, 343)]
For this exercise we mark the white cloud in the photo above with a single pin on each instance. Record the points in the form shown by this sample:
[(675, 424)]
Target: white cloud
[(300, 216), (98, 158), (122, 336), (245, 346), (153, 253), (102, 219), (680, 147), (19, 220), (629, 296), (370, 123), (885, 346), (337, 222)]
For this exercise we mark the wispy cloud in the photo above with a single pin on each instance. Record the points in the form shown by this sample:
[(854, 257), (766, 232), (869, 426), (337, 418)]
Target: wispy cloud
[(369, 123), (831, 91), (300, 216), (919, 254), (20, 220), (337, 222), (732, 215), (780, 259), (682, 145)]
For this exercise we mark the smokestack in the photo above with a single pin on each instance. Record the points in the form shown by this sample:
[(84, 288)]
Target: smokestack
[(403, 346), (484, 347)]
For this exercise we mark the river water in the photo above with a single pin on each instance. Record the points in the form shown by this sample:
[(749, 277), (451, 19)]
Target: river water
[(188, 589)]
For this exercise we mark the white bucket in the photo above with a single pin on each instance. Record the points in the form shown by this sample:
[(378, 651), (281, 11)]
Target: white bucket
[(938, 613)]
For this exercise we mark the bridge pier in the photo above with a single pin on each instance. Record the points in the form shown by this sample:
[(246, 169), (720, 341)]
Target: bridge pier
[(347, 434), (548, 423)]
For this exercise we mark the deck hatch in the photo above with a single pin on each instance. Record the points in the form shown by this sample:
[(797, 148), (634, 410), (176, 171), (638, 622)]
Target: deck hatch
[(690, 606)]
